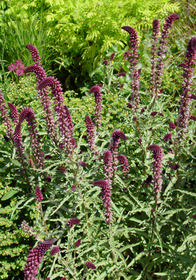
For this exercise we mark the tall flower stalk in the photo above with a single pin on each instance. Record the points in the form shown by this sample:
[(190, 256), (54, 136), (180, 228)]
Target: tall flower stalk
[(157, 78), (186, 96), (135, 73), (98, 105), (5, 116), (45, 99), (157, 170), (90, 133), (28, 114), (63, 120)]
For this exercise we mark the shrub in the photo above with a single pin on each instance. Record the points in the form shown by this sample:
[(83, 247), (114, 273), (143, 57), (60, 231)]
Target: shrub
[(119, 207)]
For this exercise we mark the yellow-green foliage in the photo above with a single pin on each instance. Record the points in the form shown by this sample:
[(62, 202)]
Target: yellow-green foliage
[(13, 241)]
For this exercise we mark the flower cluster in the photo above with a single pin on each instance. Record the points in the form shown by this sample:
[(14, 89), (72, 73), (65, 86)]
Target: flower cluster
[(157, 78), (28, 114), (90, 133), (185, 100), (73, 222), (14, 113), (90, 265), (98, 106), (135, 73), (45, 99), (38, 194), (5, 116), (124, 164), (18, 66), (34, 53), (157, 168), (106, 194), (35, 257), (108, 166), (64, 121)]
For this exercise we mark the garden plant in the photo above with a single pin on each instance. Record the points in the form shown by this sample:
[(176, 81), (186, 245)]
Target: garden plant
[(103, 188)]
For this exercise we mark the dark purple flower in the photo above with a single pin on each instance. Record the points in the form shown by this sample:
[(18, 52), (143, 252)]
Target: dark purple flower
[(98, 100), (5, 116), (63, 278), (34, 53), (38, 194), (192, 96), (90, 132), (129, 105), (161, 114), (77, 243), (108, 166), (106, 194), (192, 118), (112, 56), (54, 250), (134, 119), (143, 109), (185, 101), (73, 222), (172, 125), (140, 140), (14, 112), (90, 265), (135, 73), (28, 114), (62, 169), (173, 166), (121, 74), (153, 113), (73, 188), (157, 167), (122, 85), (48, 179), (82, 163), (105, 62), (48, 156), (35, 257), (124, 164), (167, 136)]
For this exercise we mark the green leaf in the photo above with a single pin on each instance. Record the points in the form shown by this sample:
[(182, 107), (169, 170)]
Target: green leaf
[(9, 194)]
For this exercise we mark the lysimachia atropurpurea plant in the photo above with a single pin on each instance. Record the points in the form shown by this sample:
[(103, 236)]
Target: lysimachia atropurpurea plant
[(117, 205)]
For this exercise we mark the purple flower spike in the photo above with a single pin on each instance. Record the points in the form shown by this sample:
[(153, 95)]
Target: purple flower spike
[(73, 222), (77, 243), (105, 62), (124, 164), (90, 265), (35, 257), (106, 194), (185, 100), (38, 194), (38, 70), (159, 54), (108, 166), (90, 133), (54, 250), (64, 119), (14, 112), (135, 73), (82, 163), (172, 125), (5, 116), (112, 56), (157, 168), (98, 100), (28, 114), (34, 53), (167, 136), (192, 118)]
